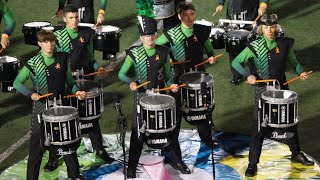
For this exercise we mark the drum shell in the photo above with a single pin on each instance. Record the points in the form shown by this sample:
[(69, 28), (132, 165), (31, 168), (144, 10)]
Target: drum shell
[(236, 40), (91, 107), (163, 9), (30, 32), (107, 41), (218, 38), (9, 67), (61, 125), (279, 112)]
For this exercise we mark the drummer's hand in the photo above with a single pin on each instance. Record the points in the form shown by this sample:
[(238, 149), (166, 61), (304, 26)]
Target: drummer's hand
[(251, 79), (262, 9), (133, 86), (81, 95), (174, 87), (100, 18), (59, 13), (219, 8), (35, 97), (212, 60), (304, 76), (5, 41), (102, 72)]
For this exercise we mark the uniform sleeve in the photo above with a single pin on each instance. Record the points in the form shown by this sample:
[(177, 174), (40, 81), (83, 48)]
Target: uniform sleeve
[(221, 2), (61, 4), (9, 20), (21, 78), (240, 59), (161, 40), (167, 71), (294, 62), (103, 4), (70, 81), (122, 75), (264, 1), (208, 47)]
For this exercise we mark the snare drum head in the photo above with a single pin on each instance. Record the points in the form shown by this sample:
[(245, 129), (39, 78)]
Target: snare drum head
[(194, 79), (92, 87), (37, 24), (279, 96), (241, 33), (106, 29), (8, 59), (216, 30), (85, 25), (157, 101), (48, 28), (61, 112), (203, 22)]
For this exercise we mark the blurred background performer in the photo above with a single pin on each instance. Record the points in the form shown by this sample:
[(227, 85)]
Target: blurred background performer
[(78, 43), (270, 55), (49, 72), (244, 10), (151, 63), (7, 15), (85, 9), (187, 41)]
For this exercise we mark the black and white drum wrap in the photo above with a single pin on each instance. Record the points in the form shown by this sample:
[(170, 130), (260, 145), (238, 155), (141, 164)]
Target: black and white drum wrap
[(107, 38), (279, 108), (31, 29), (91, 107), (61, 125), (163, 9), (236, 40), (158, 119), (218, 37), (193, 107), (9, 67)]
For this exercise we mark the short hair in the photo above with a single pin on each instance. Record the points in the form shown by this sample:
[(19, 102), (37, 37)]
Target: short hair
[(44, 35), (69, 8), (184, 6)]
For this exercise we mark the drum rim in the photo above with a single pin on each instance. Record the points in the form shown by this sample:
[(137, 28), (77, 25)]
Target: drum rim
[(15, 60), (64, 118), (237, 30), (196, 86), (210, 24), (91, 94), (98, 29), (269, 99), (90, 25), (168, 105), (49, 23)]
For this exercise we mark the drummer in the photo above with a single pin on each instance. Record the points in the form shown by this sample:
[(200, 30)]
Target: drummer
[(49, 73), (270, 55), (78, 43), (244, 10), (86, 10), (151, 63), (187, 42), (6, 14)]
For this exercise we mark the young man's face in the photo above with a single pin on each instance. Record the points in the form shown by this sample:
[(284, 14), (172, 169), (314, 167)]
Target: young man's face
[(71, 19), (47, 47), (187, 17), (269, 31), (148, 40)]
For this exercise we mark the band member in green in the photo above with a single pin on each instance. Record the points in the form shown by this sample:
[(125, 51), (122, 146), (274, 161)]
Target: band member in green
[(49, 73), (6, 14), (270, 54), (151, 63)]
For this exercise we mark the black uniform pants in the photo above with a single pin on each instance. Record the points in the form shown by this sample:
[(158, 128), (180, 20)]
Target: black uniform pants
[(36, 151)]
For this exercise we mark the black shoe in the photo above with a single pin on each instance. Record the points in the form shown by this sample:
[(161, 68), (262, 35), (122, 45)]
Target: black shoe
[(102, 154), (51, 166), (235, 81), (181, 166), (301, 158), (251, 170), (131, 173)]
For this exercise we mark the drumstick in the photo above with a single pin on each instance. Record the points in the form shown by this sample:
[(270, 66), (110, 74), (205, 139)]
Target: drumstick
[(1, 50), (54, 16), (179, 62), (215, 13), (265, 80), (74, 95), (255, 21), (206, 61), (45, 95), (98, 72), (169, 88), (145, 83), (296, 78)]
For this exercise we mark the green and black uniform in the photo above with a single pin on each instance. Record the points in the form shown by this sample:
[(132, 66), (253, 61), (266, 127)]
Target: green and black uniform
[(85, 8), (6, 14), (188, 44), (48, 75), (270, 59), (150, 64)]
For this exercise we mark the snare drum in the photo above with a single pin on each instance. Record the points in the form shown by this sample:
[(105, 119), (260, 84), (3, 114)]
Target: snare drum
[(158, 117), (217, 37), (163, 8), (107, 38), (9, 67), (279, 108), (236, 40), (31, 29), (61, 125), (91, 107), (193, 107), (203, 22)]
